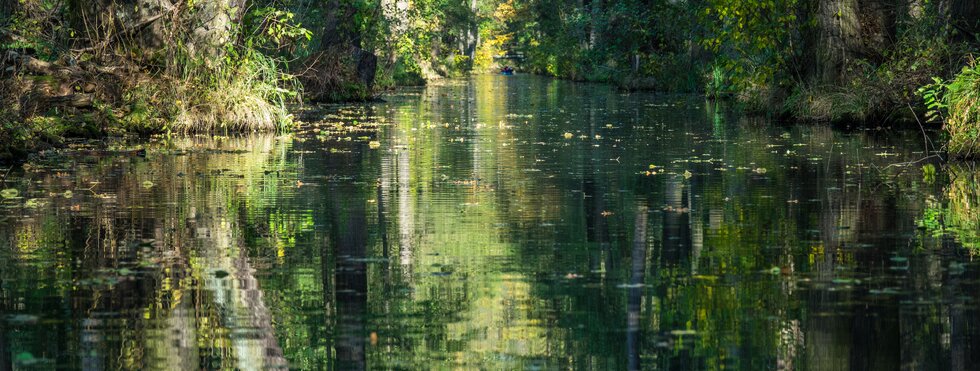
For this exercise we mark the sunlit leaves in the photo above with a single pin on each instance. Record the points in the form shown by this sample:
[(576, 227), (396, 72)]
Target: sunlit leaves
[(753, 39)]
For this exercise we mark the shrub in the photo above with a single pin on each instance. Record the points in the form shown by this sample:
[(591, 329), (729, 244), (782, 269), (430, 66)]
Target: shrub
[(957, 103)]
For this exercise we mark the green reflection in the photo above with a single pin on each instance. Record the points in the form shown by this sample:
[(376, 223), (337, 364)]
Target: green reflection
[(662, 233)]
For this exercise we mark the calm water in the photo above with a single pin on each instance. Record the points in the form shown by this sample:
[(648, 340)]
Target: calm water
[(498, 223)]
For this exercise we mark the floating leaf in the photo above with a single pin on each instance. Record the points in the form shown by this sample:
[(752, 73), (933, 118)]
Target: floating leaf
[(569, 135), (67, 194), (9, 193), (35, 203), (374, 144), (147, 184), (687, 174)]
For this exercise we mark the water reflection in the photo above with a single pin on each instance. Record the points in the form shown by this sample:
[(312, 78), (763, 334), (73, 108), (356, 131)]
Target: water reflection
[(659, 233)]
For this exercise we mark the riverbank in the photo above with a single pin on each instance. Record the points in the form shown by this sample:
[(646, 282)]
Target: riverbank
[(45, 102), (99, 68)]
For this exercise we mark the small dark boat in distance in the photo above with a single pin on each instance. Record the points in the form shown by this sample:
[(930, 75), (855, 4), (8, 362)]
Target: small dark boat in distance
[(507, 71)]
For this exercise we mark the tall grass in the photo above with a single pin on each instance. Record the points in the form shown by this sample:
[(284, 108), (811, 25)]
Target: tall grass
[(962, 101), (248, 93), (235, 94)]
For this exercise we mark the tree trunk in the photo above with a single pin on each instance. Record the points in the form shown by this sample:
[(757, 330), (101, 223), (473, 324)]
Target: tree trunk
[(472, 34), (595, 9), (343, 36), (211, 23), (848, 30), (837, 36), (149, 26), (102, 21)]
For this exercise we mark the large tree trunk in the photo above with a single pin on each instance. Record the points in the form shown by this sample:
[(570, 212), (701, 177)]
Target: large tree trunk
[(965, 17), (343, 37), (149, 26), (103, 22), (848, 30), (211, 24)]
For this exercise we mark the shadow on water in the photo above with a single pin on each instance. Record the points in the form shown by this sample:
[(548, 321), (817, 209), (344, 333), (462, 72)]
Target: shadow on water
[(496, 223)]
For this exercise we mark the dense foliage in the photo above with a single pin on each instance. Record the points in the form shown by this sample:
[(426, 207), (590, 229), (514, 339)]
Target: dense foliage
[(956, 103), (98, 66)]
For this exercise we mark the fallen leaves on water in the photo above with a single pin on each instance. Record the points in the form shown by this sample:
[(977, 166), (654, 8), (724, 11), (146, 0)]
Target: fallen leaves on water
[(9, 193), (35, 203), (374, 144), (569, 135), (607, 213), (687, 174), (147, 184)]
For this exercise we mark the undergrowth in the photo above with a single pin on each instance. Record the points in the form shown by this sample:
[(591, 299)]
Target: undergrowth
[(956, 103), (240, 94)]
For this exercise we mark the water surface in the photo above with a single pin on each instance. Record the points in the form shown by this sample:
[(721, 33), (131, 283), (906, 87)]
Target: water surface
[(496, 223)]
